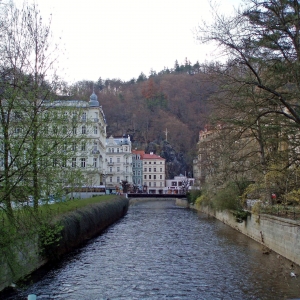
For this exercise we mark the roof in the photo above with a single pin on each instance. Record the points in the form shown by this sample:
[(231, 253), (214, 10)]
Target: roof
[(140, 152), (152, 156)]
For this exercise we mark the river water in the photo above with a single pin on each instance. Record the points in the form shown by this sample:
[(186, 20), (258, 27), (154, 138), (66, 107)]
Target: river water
[(160, 251)]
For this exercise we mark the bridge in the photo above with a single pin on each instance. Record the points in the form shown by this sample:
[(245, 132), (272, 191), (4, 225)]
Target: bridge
[(143, 195)]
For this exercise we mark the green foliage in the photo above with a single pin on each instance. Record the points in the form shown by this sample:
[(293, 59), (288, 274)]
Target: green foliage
[(49, 238), (241, 215), (17, 239), (227, 198), (193, 195), (204, 199)]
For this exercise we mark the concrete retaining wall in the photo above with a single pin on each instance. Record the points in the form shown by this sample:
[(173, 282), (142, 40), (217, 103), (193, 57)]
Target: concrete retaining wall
[(278, 234), (79, 226)]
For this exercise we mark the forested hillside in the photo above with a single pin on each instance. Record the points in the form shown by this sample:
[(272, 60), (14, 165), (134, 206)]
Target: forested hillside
[(169, 106)]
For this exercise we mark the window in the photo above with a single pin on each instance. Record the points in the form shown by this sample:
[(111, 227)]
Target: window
[(149, 162), (154, 169), (139, 173), (174, 183), (149, 183), (83, 146), (145, 169), (109, 150), (161, 184), (160, 176), (133, 173), (110, 159), (95, 162), (160, 169), (161, 162), (64, 163), (118, 169), (145, 162), (113, 149), (83, 117), (155, 162), (154, 183), (73, 146), (126, 149), (95, 130), (154, 176), (110, 179), (149, 176), (83, 129), (133, 165), (82, 162), (118, 159), (149, 169), (110, 169), (73, 162), (74, 130), (118, 150), (145, 176), (95, 146)]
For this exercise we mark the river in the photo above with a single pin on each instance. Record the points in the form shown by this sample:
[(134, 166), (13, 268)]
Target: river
[(161, 251)]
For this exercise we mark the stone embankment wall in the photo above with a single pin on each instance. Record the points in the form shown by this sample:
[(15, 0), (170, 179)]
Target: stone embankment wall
[(78, 226), (278, 234)]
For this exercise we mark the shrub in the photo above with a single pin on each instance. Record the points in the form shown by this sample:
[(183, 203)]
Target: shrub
[(227, 198), (193, 195)]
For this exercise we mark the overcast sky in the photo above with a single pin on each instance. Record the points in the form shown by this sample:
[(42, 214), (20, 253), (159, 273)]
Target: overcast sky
[(122, 38)]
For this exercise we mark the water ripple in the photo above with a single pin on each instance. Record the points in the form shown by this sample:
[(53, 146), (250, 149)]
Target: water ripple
[(158, 251)]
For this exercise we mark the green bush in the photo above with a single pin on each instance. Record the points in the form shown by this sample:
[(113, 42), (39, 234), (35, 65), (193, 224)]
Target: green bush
[(227, 198), (193, 195)]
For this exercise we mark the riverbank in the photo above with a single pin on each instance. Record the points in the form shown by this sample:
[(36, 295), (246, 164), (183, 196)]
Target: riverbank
[(274, 233), (77, 227)]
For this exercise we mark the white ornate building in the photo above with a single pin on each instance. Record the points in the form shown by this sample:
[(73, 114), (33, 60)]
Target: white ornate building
[(88, 138), (118, 163)]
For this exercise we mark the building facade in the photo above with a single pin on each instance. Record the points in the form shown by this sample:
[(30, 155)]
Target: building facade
[(118, 162), (179, 185), (137, 169), (153, 173), (88, 138)]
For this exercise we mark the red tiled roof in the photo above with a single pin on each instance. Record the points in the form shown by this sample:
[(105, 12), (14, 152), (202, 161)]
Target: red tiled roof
[(152, 156), (141, 152)]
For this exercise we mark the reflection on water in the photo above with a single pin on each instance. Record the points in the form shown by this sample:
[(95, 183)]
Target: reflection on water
[(160, 251)]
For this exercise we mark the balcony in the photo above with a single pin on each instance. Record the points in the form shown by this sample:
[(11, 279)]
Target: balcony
[(110, 163), (95, 151)]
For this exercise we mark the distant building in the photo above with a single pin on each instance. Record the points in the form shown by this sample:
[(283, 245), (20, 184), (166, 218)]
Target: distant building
[(118, 163), (137, 168), (179, 184), (153, 173)]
